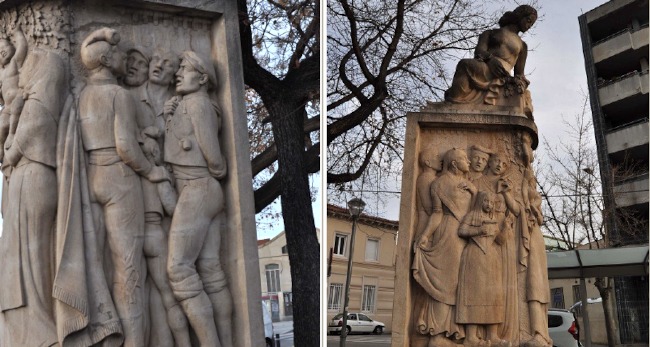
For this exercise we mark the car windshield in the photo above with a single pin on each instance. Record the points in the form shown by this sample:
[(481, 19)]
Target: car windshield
[(338, 316)]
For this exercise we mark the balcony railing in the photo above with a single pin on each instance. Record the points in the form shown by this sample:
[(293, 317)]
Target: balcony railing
[(630, 30)]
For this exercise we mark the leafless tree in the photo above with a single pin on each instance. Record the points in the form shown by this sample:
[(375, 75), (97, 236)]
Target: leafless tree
[(386, 58), (574, 201), (280, 42)]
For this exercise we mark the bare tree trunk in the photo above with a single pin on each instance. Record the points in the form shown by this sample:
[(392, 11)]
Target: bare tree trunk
[(604, 285)]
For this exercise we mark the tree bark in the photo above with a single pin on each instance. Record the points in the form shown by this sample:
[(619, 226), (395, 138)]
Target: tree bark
[(302, 244), (604, 286)]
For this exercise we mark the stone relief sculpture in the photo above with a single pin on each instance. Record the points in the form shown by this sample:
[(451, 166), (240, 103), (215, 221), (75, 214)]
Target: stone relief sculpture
[(12, 56), (436, 262), (431, 164), (26, 246), (481, 297), (486, 78), (192, 149), (478, 157), (114, 192)]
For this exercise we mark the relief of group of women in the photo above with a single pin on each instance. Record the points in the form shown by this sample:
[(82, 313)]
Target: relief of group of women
[(144, 162), (477, 236)]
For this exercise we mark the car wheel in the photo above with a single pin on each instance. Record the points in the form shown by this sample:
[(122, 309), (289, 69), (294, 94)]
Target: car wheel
[(269, 343), (378, 330), (348, 330)]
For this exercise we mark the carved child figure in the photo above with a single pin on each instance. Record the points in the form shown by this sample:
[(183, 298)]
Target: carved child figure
[(12, 56), (192, 149), (107, 119), (481, 298)]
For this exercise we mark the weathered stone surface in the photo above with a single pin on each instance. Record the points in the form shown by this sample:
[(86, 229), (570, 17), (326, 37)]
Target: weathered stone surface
[(127, 198), (478, 267)]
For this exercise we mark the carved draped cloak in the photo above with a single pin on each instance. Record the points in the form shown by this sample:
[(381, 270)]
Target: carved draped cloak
[(436, 268)]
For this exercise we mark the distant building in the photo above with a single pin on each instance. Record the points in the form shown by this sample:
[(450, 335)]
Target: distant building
[(275, 275), (615, 46), (373, 274)]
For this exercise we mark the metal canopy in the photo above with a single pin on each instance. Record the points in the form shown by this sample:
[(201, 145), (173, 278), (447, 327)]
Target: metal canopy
[(605, 262)]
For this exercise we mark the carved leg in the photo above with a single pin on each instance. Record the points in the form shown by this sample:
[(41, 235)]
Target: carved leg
[(156, 251), (441, 340), (538, 325)]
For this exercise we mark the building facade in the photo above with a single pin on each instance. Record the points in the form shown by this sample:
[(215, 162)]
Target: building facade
[(275, 275), (615, 46), (372, 285)]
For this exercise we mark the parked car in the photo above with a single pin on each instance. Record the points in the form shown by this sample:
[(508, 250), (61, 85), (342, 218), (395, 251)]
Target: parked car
[(357, 323), (589, 301), (562, 328)]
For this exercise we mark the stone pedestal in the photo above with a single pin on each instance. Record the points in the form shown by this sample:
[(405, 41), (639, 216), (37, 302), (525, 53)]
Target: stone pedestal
[(57, 28), (505, 133)]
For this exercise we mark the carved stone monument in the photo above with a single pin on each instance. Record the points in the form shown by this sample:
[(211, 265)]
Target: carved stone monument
[(127, 201), (470, 233)]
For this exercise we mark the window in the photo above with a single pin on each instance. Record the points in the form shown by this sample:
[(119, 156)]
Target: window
[(557, 297), (334, 296), (363, 317), (576, 298), (340, 241), (273, 278), (368, 301), (372, 249), (284, 249)]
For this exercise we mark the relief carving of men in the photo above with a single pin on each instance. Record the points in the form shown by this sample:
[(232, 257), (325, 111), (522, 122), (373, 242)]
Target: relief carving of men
[(437, 258), (192, 149), (26, 245), (486, 77), (478, 157), (107, 118), (166, 316)]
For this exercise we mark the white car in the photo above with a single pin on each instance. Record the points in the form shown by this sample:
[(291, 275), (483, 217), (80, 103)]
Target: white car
[(562, 328), (357, 323)]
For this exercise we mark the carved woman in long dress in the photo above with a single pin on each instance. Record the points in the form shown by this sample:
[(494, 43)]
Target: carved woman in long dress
[(437, 254), (499, 51), (27, 243)]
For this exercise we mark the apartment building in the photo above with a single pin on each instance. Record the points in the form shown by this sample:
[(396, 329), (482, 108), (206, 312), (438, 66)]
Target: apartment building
[(275, 275), (615, 45), (372, 285)]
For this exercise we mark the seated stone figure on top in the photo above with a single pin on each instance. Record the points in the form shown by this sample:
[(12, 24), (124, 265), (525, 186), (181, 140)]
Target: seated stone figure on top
[(486, 78)]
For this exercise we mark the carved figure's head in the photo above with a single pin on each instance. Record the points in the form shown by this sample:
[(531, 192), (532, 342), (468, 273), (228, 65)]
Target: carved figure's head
[(524, 16), (478, 157), (162, 68), (487, 200), (99, 50), (194, 74), (429, 158), (7, 51), (456, 160), (137, 68), (497, 164)]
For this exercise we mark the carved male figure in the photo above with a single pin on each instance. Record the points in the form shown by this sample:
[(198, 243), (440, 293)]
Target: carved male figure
[(436, 262), (193, 150), (150, 98), (137, 68), (12, 56), (107, 116), (478, 157)]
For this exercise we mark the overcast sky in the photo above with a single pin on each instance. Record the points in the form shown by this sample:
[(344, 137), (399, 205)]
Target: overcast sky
[(555, 68)]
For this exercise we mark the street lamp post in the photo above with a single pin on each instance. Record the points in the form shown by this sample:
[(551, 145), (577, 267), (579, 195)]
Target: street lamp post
[(355, 206)]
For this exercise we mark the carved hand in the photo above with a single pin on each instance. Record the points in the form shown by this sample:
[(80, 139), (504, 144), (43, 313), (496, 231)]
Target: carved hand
[(221, 171), (170, 106), (158, 174), (497, 68), (152, 131)]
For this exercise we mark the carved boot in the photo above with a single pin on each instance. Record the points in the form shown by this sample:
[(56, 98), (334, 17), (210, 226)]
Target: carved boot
[(200, 314)]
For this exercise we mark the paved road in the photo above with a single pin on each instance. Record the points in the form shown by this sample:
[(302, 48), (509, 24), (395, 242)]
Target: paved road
[(360, 341)]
